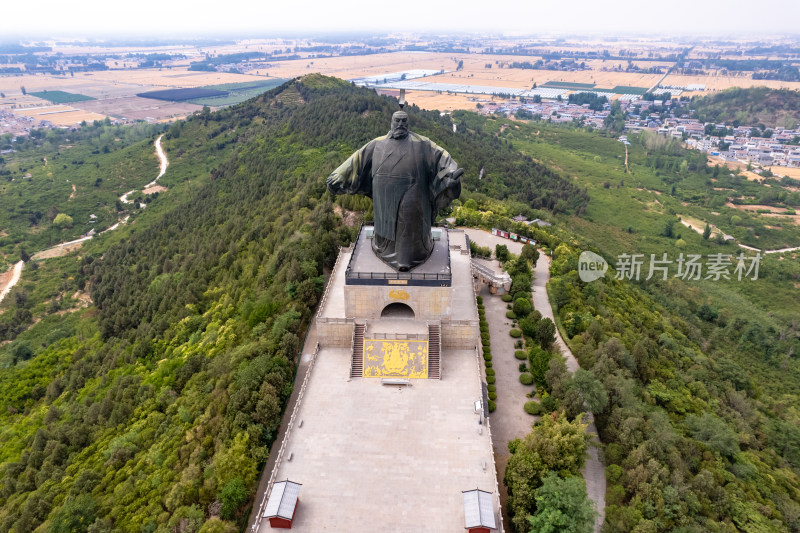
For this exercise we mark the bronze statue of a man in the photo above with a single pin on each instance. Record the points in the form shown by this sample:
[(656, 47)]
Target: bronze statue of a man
[(409, 178)]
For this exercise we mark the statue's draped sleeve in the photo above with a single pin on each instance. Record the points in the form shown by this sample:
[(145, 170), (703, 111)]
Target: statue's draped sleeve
[(354, 176), (443, 189)]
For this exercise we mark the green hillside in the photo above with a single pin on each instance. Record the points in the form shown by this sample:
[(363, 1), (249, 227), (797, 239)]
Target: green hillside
[(701, 425), (154, 409), (757, 105)]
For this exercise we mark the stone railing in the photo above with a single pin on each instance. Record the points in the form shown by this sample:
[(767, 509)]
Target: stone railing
[(498, 506), (334, 320), (397, 336), (342, 250), (499, 278), (447, 322)]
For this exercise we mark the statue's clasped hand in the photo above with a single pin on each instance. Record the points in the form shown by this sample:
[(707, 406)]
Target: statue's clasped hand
[(453, 178)]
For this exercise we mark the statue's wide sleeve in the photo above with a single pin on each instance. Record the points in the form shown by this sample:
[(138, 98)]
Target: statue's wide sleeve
[(444, 188), (354, 176)]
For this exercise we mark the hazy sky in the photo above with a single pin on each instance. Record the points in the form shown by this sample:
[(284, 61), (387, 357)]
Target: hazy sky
[(172, 18)]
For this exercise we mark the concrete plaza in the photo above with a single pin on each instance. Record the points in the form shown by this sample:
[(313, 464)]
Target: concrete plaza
[(373, 457)]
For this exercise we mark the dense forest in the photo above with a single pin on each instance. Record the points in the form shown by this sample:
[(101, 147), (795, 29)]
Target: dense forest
[(758, 105), (154, 409)]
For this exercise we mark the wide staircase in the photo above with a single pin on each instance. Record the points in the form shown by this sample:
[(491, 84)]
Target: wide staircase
[(357, 365), (434, 349)]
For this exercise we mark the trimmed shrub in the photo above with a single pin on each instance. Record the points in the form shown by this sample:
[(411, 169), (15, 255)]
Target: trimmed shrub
[(492, 395), (490, 380), (522, 307), (492, 406), (511, 315), (490, 372), (492, 388), (479, 299), (523, 368), (533, 408), (521, 355), (506, 297), (526, 378), (487, 356), (549, 404), (515, 333), (488, 364)]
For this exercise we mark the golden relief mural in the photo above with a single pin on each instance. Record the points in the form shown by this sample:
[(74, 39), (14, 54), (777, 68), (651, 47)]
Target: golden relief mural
[(398, 294), (395, 358)]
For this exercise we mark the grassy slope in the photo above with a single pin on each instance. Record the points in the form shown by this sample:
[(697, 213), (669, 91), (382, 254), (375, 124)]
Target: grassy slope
[(593, 160), (771, 107)]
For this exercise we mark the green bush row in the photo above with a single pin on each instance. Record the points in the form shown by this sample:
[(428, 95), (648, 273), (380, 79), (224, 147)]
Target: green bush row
[(483, 327)]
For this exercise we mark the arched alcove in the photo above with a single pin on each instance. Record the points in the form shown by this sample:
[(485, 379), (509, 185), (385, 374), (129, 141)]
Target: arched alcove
[(397, 310)]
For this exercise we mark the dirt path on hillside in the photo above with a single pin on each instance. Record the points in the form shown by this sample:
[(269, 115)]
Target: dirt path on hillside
[(627, 170), (64, 248), (10, 278), (152, 187)]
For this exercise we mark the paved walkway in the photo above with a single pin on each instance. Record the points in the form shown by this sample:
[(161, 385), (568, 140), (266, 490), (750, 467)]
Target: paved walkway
[(509, 421)]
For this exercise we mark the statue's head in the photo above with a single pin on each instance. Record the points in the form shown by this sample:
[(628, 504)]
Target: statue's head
[(399, 125)]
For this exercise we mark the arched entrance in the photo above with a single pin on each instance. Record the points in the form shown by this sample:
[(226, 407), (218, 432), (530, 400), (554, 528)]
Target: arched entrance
[(397, 310)]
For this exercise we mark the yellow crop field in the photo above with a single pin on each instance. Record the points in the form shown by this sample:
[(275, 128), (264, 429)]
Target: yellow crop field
[(38, 110), (786, 171), (11, 85), (61, 115), (720, 82), (443, 102)]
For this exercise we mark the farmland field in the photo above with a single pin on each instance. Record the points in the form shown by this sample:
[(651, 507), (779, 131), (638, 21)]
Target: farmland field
[(568, 85), (61, 97), (136, 108), (623, 89), (719, 83), (180, 95), (169, 78), (236, 92), (61, 115)]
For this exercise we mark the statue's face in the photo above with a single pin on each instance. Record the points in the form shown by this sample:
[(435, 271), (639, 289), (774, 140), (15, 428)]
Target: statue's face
[(399, 125)]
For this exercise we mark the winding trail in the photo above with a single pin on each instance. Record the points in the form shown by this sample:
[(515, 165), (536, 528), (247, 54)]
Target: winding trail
[(594, 471), (65, 247), (16, 273), (163, 162), (780, 251), (627, 170)]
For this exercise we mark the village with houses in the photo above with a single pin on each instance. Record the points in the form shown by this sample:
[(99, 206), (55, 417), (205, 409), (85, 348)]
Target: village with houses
[(742, 143)]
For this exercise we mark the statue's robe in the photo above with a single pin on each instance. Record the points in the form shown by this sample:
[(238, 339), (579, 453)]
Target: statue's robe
[(408, 181)]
